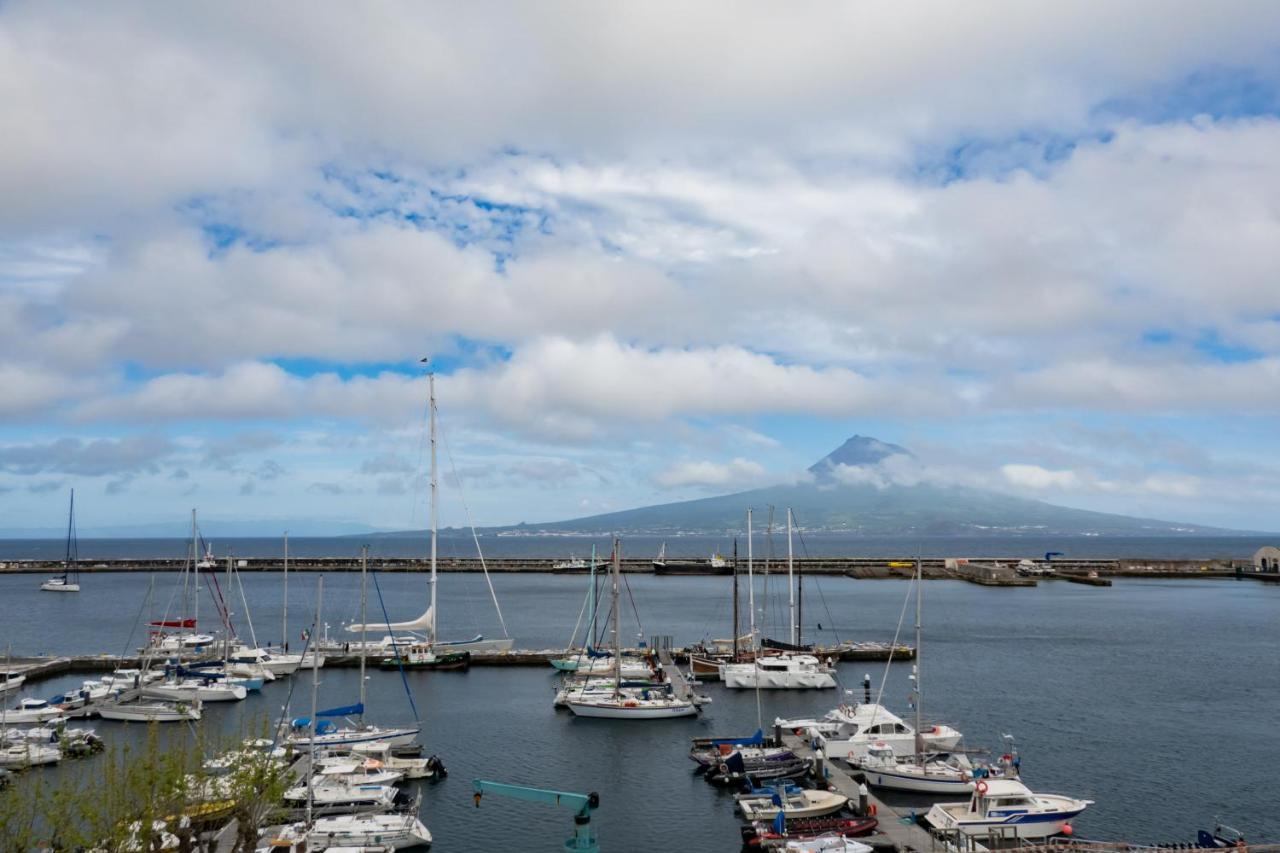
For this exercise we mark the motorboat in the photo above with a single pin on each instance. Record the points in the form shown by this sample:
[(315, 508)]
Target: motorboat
[(426, 656), (31, 710), (382, 832), (792, 802), (849, 730), (151, 712), (326, 797), (412, 767), (757, 765), (11, 682), (999, 805), (833, 843), (72, 741), (19, 756), (708, 752), (367, 771), (274, 662), (786, 671)]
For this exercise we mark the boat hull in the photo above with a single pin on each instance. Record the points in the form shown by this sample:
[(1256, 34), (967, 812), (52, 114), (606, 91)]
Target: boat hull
[(614, 711), (58, 586), (957, 785), (751, 677), (394, 737)]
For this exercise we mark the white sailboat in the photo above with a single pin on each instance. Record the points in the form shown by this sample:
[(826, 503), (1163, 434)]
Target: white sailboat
[(308, 733), (628, 703), (426, 653), (151, 712), (923, 772), (69, 579), (787, 670)]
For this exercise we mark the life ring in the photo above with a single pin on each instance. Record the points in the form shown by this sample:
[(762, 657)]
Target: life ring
[(723, 768), (981, 788)]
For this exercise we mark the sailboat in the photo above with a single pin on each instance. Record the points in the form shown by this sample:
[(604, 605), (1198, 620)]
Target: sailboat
[(69, 579), (432, 652), (788, 670), (642, 703), (587, 662), (319, 732), (925, 771), (181, 635)]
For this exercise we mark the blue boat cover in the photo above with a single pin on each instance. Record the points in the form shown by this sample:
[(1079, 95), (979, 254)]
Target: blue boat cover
[(780, 822), (756, 739), (594, 653), (344, 711)]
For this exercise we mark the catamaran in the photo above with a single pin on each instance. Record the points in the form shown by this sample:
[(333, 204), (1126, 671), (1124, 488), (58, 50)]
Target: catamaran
[(69, 579), (787, 670), (433, 652)]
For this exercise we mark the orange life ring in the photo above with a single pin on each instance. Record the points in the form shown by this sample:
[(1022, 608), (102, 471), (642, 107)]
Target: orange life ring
[(981, 788)]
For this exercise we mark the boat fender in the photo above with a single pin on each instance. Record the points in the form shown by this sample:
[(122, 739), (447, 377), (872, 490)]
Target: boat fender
[(871, 810), (849, 757), (982, 789), (723, 769)]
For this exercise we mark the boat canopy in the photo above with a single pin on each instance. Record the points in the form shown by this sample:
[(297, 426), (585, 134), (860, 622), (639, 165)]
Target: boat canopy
[(779, 645)]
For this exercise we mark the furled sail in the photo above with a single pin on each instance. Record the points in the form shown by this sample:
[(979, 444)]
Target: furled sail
[(422, 623)]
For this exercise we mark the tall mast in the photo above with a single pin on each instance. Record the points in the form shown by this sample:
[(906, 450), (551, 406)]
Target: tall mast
[(195, 564), (791, 588), (284, 622), (226, 609), (617, 649), (919, 691), (364, 598), (735, 600), (431, 385), (315, 689), (751, 584), (71, 521), (591, 599)]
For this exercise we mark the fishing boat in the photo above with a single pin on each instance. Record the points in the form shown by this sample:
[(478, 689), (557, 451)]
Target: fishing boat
[(431, 652), (999, 805), (68, 580), (790, 801), (573, 564), (628, 703), (151, 712), (714, 565)]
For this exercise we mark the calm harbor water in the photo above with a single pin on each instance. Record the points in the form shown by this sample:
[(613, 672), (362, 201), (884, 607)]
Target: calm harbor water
[(1157, 699)]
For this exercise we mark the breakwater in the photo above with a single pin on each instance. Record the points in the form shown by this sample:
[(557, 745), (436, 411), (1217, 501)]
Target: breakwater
[(860, 567)]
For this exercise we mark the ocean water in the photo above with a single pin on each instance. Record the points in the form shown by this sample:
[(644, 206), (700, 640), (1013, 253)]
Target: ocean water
[(556, 547), (1155, 698)]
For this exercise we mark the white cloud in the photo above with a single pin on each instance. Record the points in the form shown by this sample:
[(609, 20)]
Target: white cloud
[(736, 472), (1036, 477)]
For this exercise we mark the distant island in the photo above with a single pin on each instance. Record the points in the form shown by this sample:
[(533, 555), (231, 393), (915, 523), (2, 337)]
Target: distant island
[(858, 489)]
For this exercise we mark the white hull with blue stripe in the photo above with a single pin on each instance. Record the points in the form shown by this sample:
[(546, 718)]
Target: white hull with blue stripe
[(1006, 807)]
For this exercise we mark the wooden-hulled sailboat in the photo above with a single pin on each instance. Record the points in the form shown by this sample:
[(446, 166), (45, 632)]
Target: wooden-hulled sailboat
[(69, 579), (622, 703)]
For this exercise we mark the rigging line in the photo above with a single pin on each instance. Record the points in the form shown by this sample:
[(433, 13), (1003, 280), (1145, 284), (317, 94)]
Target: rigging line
[(885, 678), (804, 549), (404, 679), (576, 625), (247, 618), (146, 599), (288, 697), (448, 451), (632, 599)]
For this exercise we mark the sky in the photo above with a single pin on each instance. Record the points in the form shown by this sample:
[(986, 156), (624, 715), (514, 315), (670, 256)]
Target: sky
[(654, 251)]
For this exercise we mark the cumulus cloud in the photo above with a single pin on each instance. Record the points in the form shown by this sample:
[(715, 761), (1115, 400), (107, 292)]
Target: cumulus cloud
[(736, 472), (95, 458)]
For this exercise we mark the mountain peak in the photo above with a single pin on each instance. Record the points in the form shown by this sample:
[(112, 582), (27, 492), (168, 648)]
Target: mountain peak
[(858, 450)]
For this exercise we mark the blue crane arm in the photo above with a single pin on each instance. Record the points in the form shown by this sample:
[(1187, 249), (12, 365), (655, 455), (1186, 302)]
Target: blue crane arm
[(582, 804)]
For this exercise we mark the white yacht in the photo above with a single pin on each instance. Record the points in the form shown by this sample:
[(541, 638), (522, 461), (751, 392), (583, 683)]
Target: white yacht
[(31, 710), (11, 682), (928, 774), (338, 797), (849, 730), (1000, 805), (786, 671), (151, 712), (355, 832), (274, 662)]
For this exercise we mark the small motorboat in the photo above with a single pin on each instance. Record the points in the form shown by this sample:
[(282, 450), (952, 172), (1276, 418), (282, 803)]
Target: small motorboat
[(998, 805), (758, 766), (367, 771), (31, 710), (1222, 836), (20, 756), (411, 766), (338, 797), (848, 730), (790, 801), (760, 833)]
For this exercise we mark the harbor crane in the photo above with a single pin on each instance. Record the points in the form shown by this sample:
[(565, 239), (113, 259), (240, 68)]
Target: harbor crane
[(584, 837)]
